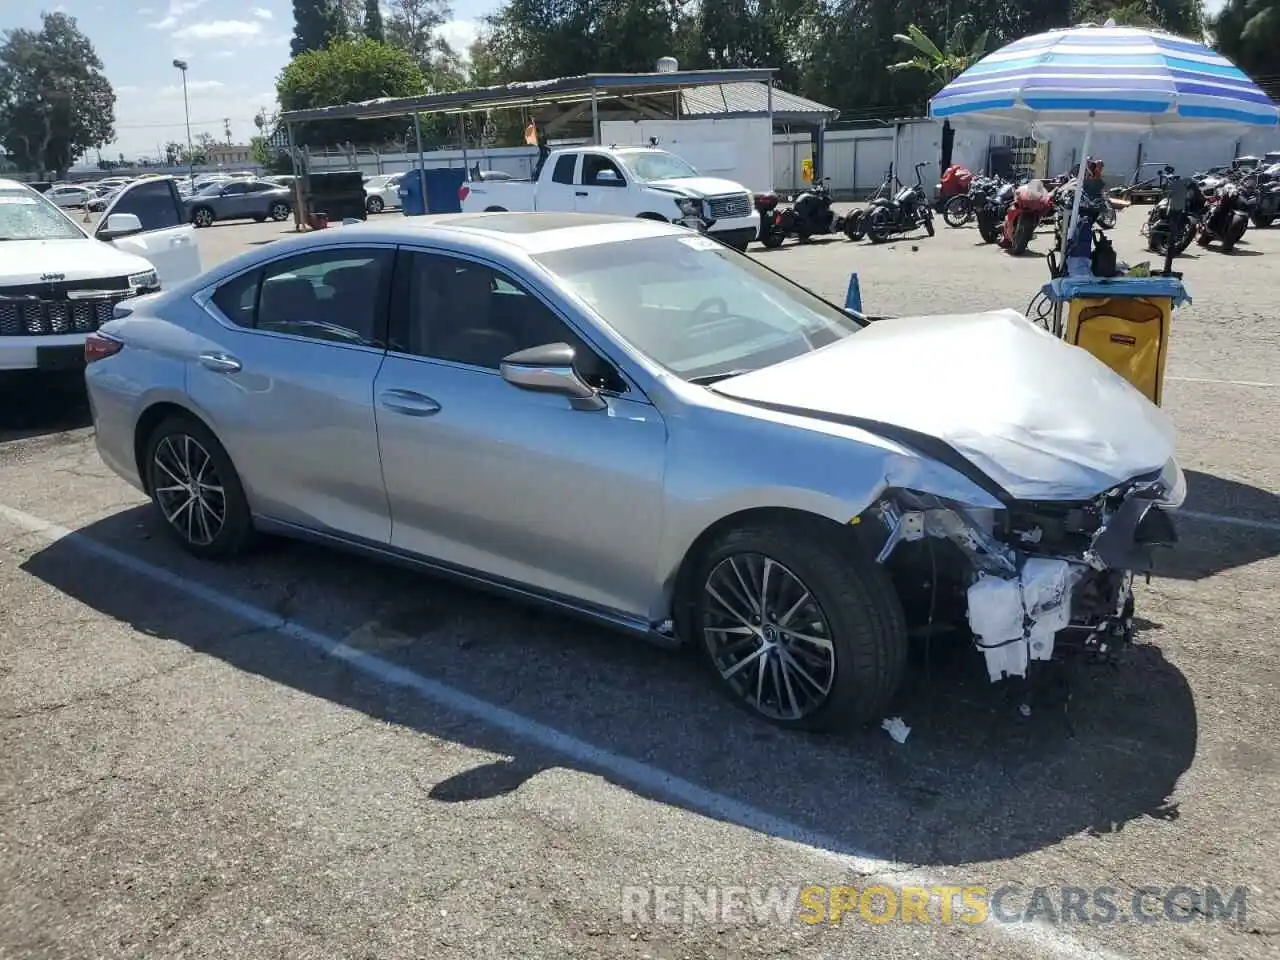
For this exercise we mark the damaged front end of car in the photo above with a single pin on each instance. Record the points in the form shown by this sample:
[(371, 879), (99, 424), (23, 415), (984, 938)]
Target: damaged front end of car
[(1033, 578)]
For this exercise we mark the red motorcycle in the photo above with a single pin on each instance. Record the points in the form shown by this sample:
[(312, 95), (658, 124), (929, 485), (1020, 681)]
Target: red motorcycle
[(955, 182), (772, 229), (1032, 204)]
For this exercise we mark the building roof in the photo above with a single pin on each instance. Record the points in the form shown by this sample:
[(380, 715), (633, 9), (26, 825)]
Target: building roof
[(534, 93), (750, 99)]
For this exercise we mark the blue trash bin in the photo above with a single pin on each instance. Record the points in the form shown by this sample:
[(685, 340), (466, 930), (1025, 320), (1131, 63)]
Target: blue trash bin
[(413, 202)]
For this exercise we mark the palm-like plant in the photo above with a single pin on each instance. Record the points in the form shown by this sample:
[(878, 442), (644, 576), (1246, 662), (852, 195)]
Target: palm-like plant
[(941, 65)]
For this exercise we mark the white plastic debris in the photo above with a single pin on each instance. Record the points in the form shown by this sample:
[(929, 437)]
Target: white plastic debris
[(996, 619), (896, 729), (1046, 598)]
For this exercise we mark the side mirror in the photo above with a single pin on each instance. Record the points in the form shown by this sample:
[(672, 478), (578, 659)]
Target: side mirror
[(550, 369), (608, 176), (118, 225)]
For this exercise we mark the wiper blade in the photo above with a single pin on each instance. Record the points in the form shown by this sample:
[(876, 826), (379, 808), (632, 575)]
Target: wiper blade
[(706, 379)]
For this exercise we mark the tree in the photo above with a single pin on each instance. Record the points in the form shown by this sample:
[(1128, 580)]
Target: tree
[(349, 71), (316, 24), (1183, 17), (55, 102), (373, 21), (942, 66), (1247, 32), (412, 27)]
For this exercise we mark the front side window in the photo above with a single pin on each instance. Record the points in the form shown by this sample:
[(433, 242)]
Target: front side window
[(696, 308), (465, 312), (153, 203), (657, 165), (336, 295), (594, 164)]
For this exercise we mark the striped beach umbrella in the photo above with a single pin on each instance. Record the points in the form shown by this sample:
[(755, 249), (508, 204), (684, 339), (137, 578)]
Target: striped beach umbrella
[(1108, 78), (1117, 79)]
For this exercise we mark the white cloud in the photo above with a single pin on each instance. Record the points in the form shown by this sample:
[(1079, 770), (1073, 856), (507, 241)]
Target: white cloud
[(173, 14), (195, 88), (126, 89), (218, 30), (261, 13), (168, 23)]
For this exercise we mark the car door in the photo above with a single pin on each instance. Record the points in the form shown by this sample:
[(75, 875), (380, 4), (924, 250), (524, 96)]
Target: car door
[(286, 376), (519, 486), (258, 197), (558, 191), (602, 187), (166, 238), (235, 202)]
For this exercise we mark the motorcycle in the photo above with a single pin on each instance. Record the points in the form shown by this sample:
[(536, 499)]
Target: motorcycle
[(1032, 204), (907, 209), (1159, 221), (991, 210), (959, 209), (1226, 220), (1262, 191), (811, 214), (772, 232), (855, 223), (956, 181)]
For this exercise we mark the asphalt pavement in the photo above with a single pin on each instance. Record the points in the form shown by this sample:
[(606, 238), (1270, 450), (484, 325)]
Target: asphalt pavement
[(308, 755)]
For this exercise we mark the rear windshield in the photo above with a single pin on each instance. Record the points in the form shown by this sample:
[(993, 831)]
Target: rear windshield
[(26, 216)]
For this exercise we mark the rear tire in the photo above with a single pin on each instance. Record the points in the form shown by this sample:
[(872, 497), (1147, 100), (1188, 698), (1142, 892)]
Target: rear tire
[(374, 205), (773, 239), (202, 216), (278, 211), (1263, 221), (837, 615), (182, 456)]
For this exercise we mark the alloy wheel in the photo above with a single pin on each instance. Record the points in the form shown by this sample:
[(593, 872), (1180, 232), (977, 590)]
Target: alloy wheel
[(203, 217), (279, 211), (768, 637), (190, 492)]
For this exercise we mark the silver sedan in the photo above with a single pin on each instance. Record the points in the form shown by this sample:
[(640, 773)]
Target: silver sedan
[(630, 422)]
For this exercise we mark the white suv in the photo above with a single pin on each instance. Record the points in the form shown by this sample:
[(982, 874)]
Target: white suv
[(58, 283)]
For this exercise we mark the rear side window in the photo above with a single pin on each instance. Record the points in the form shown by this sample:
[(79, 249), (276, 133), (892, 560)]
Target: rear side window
[(563, 172), (238, 298), (154, 203)]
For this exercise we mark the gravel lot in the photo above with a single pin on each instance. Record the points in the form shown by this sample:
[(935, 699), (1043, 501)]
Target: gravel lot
[(305, 755)]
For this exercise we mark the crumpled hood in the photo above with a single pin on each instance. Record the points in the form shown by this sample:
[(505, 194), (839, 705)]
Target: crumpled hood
[(27, 261), (699, 186), (1043, 419)]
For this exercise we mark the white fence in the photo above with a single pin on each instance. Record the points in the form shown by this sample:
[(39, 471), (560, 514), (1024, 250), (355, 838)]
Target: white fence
[(857, 160)]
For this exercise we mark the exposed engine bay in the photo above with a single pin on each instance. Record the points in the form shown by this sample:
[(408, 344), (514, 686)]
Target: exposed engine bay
[(1033, 578)]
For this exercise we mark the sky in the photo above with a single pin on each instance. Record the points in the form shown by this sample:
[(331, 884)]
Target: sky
[(235, 49)]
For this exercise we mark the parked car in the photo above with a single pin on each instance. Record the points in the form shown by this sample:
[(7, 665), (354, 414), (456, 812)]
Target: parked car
[(629, 181), (103, 197), (58, 283), (382, 192), (239, 200), (634, 423), (68, 195)]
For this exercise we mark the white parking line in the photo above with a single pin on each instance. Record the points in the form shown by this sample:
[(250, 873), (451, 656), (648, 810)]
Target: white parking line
[(1044, 940), (1231, 383)]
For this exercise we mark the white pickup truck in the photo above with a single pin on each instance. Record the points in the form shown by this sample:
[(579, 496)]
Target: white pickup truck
[(58, 283), (624, 181)]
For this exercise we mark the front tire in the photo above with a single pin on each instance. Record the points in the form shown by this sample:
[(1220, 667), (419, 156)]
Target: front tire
[(800, 627), (374, 205), (196, 491), (279, 211), (202, 216), (928, 223), (958, 210), (1023, 231)]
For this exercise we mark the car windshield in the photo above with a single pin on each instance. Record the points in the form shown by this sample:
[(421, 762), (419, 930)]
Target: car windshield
[(656, 165), (25, 216), (697, 308)]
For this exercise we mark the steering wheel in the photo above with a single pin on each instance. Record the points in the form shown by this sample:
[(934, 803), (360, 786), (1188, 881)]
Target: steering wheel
[(707, 306)]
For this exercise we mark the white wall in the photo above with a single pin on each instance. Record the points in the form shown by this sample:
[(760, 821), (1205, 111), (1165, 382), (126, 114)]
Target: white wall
[(734, 149), (856, 160)]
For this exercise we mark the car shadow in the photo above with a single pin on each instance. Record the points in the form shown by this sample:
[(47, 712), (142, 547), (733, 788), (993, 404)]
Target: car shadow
[(36, 404), (1208, 547), (975, 781)]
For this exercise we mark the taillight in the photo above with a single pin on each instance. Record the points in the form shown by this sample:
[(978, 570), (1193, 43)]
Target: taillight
[(463, 192), (99, 346)]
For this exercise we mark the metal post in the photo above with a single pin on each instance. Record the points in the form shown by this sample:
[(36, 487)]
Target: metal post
[(422, 161), (595, 116), (298, 199), (462, 127), (186, 107)]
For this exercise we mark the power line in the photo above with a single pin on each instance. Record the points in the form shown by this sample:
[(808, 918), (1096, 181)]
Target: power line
[(179, 123)]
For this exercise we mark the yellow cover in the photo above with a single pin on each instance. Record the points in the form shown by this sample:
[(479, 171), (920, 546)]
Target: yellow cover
[(1129, 334)]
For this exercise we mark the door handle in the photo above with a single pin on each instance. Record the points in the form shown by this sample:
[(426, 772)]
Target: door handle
[(581, 193), (219, 363), (409, 403)]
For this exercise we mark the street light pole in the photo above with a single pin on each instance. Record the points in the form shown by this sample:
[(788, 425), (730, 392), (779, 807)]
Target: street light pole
[(186, 108)]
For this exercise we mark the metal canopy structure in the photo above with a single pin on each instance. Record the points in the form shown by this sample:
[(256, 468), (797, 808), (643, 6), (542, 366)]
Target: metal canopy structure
[(726, 101), (589, 87)]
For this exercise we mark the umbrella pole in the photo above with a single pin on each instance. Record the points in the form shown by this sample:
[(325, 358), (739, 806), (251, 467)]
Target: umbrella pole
[(1075, 203)]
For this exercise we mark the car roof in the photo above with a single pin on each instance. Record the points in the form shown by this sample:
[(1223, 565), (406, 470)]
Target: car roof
[(7, 184)]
